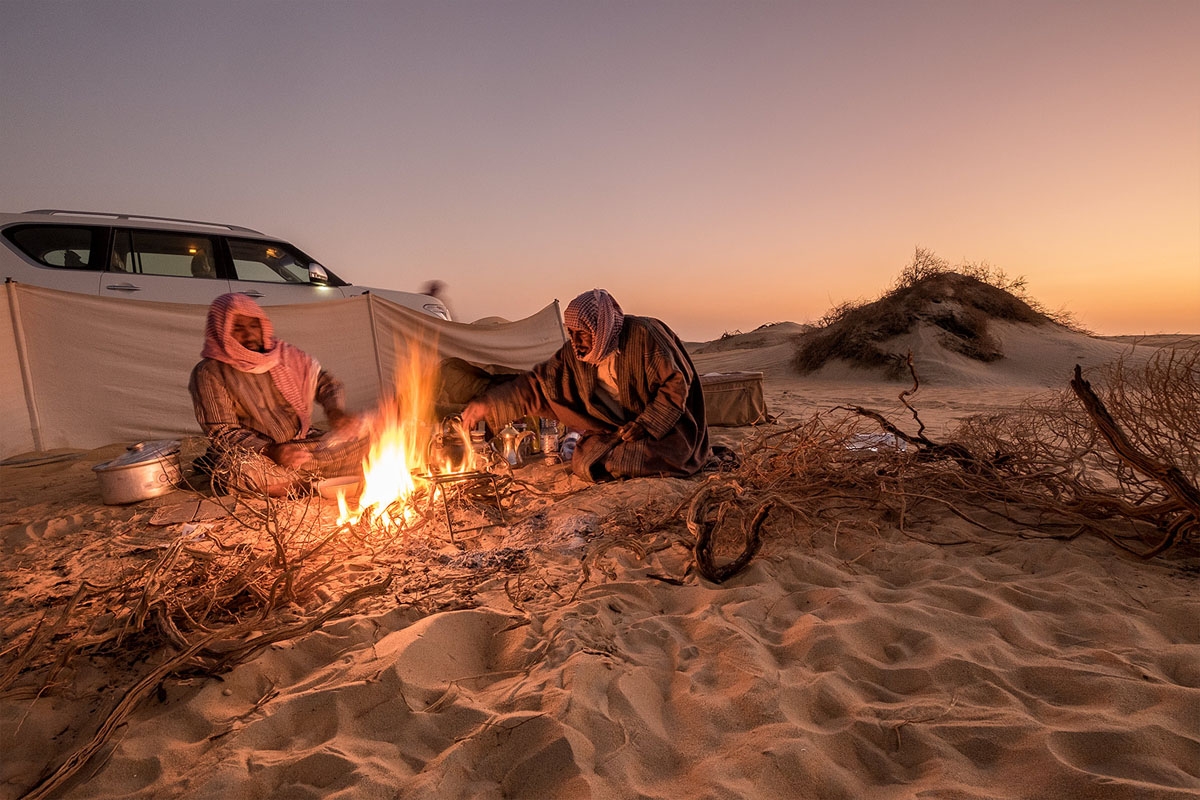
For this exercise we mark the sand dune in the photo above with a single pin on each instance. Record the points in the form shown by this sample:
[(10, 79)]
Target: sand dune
[(1039, 359), (1035, 356), (848, 661)]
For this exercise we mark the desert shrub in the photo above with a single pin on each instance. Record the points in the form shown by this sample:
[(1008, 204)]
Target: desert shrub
[(968, 334), (847, 342), (1063, 465), (994, 276), (959, 300), (855, 336), (1158, 404), (1063, 318), (1019, 288), (837, 313), (925, 264)]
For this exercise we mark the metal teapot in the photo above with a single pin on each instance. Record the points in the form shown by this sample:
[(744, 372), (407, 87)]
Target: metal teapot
[(509, 440), (449, 445)]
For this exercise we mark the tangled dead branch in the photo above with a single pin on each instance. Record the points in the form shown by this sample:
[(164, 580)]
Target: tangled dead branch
[(926, 447), (1180, 514), (1124, 467), (703, 529)]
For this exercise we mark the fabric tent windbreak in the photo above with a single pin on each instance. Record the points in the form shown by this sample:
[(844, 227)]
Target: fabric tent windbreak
[(83, 372), (526, 342), (16, 429)]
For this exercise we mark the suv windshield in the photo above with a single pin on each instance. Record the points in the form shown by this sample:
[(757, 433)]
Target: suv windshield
[(271, 262)]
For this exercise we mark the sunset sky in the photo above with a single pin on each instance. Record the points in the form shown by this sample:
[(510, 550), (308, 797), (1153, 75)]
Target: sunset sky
[(720, 165)]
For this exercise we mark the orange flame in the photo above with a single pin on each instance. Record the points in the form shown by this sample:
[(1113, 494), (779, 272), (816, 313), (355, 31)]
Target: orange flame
[(404, 439)]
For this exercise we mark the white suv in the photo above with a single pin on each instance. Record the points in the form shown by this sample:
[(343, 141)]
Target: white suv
[(169, 260)]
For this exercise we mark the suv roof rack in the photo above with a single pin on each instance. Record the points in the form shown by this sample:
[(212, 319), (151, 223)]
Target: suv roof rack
[(141, 218)]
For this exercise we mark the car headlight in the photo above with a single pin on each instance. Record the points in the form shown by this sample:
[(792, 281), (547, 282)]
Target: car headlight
[(438, 310)]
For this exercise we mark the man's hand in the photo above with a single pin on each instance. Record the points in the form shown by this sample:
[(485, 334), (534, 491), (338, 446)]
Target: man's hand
[(292, 456), (476, 410), (341, 422), (632, 432)]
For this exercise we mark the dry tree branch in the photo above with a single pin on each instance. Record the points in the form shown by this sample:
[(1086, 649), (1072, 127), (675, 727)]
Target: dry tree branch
[(925, 447), (703, 533), (41, 635), (1172, 479), (241, 651), (907, 393), (140, 691)]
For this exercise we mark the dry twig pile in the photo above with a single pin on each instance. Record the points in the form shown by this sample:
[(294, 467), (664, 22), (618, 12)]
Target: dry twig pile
[(1125, 468)]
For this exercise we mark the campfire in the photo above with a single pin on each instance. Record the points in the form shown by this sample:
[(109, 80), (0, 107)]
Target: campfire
[(411, 459)]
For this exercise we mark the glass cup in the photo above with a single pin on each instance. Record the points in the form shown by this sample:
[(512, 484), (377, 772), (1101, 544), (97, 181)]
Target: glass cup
[(550, 440)]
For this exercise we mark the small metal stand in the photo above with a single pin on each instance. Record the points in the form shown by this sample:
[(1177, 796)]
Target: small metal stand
[(442, 480)]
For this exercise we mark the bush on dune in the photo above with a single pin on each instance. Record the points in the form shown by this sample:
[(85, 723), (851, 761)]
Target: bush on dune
[(960, 301)]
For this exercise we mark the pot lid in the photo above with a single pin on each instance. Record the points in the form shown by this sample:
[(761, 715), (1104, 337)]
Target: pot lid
[(142, 452)]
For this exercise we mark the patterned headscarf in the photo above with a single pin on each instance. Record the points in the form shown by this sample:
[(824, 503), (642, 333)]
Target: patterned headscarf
[(597, 313), (293, 371)]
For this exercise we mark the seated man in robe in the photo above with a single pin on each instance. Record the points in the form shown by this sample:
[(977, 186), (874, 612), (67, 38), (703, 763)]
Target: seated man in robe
[(626, 382), (254, 395)]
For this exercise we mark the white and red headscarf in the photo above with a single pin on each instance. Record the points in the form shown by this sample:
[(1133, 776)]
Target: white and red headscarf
[(597, 313), (293, 371)]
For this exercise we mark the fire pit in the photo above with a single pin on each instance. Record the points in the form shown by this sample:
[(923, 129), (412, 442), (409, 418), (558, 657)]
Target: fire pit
[(412, 458), (463, 481)]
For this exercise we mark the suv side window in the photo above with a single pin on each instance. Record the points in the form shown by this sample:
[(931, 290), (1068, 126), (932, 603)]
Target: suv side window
[(60, 246), (267, 261), (180, 255)]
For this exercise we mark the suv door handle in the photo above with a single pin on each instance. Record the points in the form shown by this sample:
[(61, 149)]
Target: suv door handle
[(124, 287), (253, 293)]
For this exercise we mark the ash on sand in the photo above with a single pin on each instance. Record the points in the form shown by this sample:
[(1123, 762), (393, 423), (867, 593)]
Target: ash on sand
[(565, 530)]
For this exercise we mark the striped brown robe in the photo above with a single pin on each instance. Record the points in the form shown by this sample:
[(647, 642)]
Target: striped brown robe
[(242, 413), (659, 388)]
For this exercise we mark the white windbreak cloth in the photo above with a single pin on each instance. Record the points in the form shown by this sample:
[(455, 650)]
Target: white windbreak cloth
[(82, 372), (16, 434)]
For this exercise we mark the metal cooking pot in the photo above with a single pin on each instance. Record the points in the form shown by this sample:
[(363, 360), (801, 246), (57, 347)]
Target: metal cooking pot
[(145, 470)]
